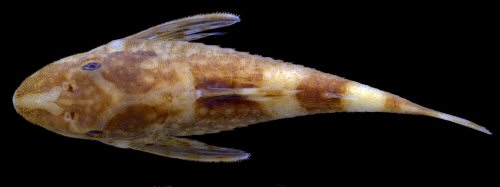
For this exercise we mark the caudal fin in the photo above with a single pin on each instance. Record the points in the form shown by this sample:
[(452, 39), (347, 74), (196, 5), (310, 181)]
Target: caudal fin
[(457, 120), (374, 100)]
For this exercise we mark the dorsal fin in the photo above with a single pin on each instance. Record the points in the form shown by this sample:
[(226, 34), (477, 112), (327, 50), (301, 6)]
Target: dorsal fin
[(189, 28)]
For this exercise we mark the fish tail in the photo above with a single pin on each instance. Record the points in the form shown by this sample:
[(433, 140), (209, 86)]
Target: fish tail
[(363, 98)]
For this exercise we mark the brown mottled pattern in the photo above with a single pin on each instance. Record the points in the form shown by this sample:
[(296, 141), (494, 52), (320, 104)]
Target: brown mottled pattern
[(134, 120), (123, 70), (40, 116), (232, 74), (227, 111), (41, 82), (314, 88), (88, 100), (85, 97), (393, 103), (154, 85), (396, 104), (44, 79), (223, 109)]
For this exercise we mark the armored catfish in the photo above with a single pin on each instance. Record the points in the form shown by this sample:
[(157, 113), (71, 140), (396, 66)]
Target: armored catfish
[(146, 90)]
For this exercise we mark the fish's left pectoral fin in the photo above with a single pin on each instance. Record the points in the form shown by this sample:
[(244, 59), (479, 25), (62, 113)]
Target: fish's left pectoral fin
[(187, 149), (189, 28)]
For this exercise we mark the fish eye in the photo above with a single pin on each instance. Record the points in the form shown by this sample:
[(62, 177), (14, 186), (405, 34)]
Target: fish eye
[(95, 134), (91, 66)]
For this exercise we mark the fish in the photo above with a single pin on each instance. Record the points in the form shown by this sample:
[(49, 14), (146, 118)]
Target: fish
[(148, 91)]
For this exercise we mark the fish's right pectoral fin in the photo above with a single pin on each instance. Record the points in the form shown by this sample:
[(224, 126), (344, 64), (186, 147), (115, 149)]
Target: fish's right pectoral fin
[(187, 149)]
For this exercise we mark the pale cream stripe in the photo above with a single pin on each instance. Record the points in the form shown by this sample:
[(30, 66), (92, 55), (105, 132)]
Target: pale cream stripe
[(367, 99), (183, 93), (44, 101), (286, 77), (116, 97)]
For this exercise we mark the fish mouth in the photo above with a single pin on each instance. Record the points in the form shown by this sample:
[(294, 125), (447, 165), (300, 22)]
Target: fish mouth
[(14, 100)]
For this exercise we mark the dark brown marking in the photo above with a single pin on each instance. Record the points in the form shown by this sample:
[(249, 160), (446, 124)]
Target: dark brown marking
[(396, 104), (225, 100), (147, 54), (313, 89), (135, 120), (226, 110), (124, 70), (392, 103)]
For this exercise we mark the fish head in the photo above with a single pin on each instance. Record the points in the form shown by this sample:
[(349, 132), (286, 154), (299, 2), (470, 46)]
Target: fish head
[(66, 97)]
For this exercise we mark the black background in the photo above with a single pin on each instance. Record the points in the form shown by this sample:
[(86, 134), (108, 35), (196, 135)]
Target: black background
[(438, 55)]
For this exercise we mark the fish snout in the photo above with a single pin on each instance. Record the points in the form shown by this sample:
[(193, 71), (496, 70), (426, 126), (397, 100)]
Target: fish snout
[(31, 104)]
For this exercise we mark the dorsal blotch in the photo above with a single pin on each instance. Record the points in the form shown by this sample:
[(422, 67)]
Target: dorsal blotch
[(135, 120), (124, 70), (317, 90)]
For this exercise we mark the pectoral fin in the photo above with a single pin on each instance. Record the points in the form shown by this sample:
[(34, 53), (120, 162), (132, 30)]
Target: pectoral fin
[(189, 28), (187, 149)]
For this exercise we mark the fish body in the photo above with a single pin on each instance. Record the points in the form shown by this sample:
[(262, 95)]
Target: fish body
[(147, 90)]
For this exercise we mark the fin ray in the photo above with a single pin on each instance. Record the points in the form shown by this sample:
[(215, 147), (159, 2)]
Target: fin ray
[(189, 28), (459, 121), (187, 149)]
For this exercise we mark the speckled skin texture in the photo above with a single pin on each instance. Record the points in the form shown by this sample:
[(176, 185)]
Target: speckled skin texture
[(146, 91), (144, 87)]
